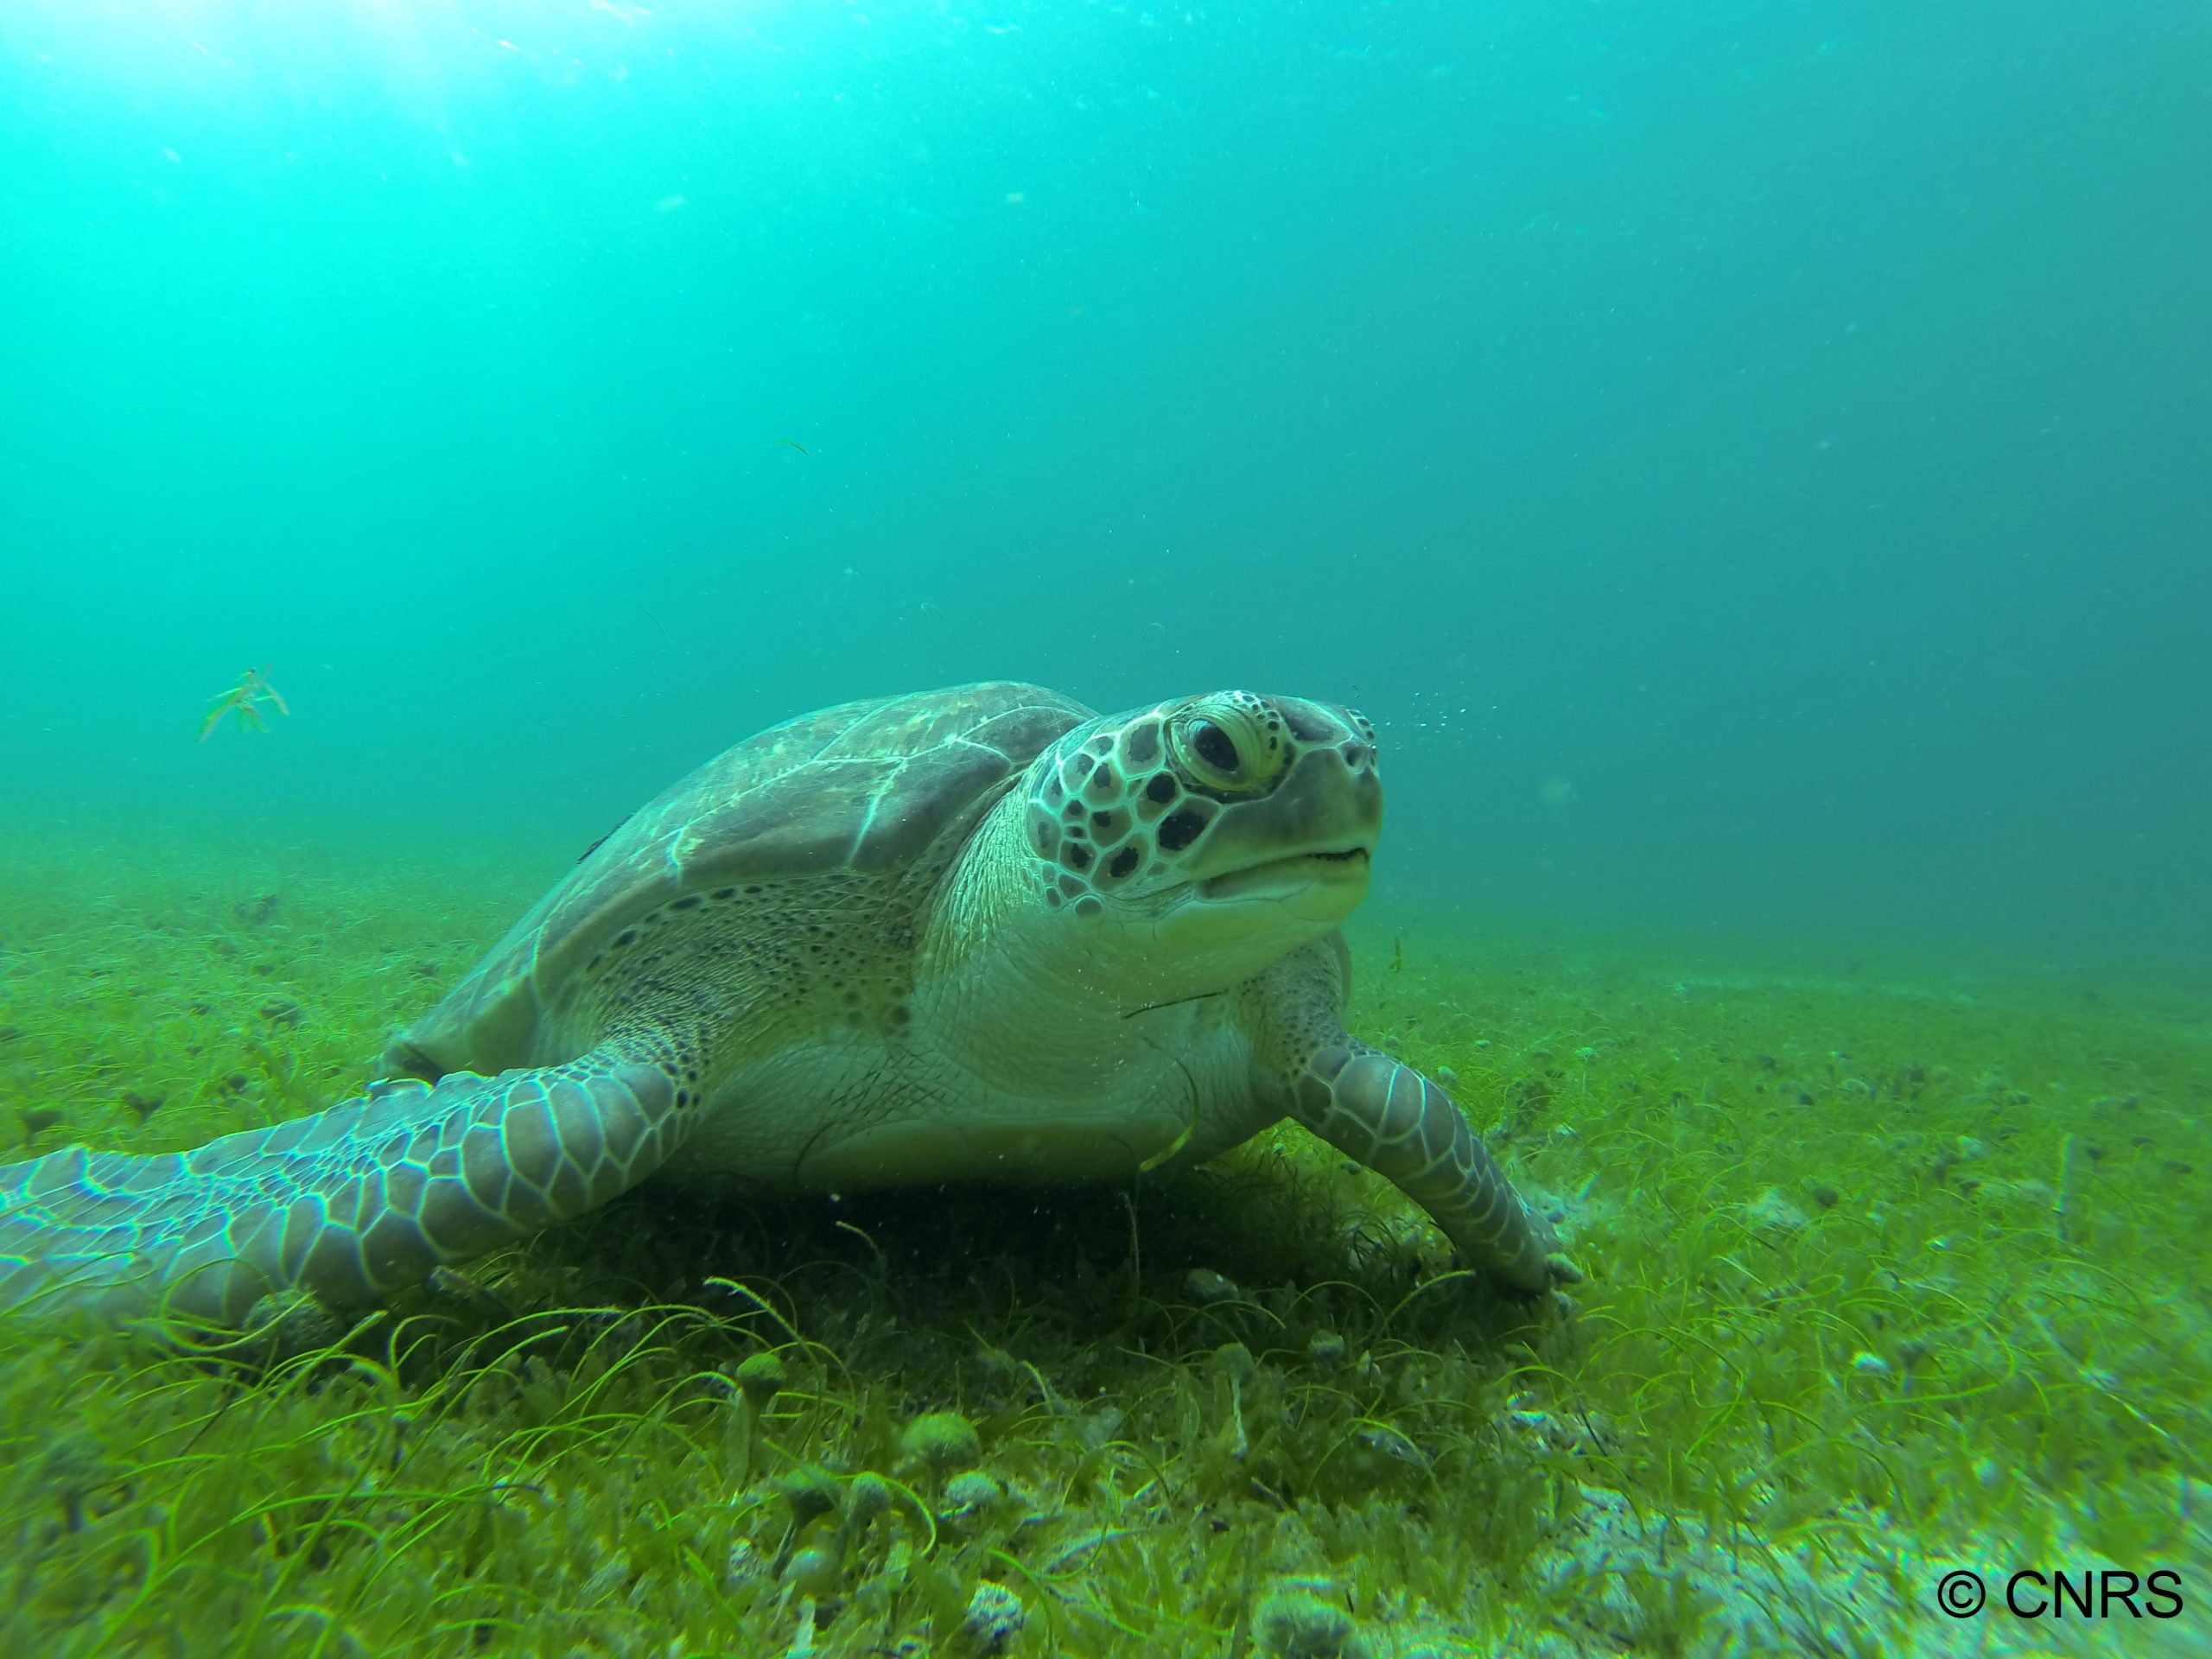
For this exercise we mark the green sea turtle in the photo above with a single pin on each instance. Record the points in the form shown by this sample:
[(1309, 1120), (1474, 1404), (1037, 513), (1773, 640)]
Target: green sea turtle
[(972, 934)]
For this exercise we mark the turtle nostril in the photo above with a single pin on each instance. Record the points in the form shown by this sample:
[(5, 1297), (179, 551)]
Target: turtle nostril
[(1359, 756)]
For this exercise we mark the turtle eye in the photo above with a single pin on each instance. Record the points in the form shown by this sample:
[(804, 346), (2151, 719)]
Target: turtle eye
[(1215, 746), (1209, 754)]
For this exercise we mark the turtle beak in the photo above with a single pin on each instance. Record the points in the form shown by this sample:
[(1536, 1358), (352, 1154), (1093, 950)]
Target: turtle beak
[(1279, 877), (1329, 805), (1308, 846), (1322, 888)]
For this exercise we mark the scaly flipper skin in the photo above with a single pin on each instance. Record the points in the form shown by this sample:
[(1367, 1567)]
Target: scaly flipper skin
[(1401, 1125), (1392, 1119), (349, 1205)]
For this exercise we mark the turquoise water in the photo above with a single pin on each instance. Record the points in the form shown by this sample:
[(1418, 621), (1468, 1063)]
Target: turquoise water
[(1748, 457), (1749, 460)]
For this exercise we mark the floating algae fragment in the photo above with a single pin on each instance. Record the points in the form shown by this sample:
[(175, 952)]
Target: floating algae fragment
[(244, 701)]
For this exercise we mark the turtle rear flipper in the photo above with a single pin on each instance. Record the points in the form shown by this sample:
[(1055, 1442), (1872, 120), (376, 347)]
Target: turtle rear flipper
[(350, 1204)]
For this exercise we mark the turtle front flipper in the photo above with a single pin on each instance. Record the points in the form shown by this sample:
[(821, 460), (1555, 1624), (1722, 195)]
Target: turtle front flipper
[(350, 1204), (1382, 1112), (1400, 1125)]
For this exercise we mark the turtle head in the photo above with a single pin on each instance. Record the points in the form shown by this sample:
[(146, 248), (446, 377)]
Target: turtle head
[(1190, 845)]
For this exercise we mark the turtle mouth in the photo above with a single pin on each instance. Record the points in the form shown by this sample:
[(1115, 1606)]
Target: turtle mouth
[(1280, 876)]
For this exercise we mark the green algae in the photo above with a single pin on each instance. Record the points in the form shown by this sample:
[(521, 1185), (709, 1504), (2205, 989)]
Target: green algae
[(1888, 1270)]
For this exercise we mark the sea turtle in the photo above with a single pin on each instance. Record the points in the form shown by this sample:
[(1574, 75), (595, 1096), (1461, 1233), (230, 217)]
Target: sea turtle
[(972, 934)]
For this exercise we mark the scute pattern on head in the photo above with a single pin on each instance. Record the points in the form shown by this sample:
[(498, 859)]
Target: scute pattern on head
[(1089, 814), (1127, 795), (860, 788)]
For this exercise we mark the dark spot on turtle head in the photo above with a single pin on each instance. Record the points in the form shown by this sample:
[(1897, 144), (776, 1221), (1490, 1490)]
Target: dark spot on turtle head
[(1075, 855), (724, 894), (1179, 830), (689, 901), (1141, 746), (626, 938), (1105, 785), (1045, 837), (901, 1014), (1055, 790), (1161, 789), (754, 888), (1124, 862)]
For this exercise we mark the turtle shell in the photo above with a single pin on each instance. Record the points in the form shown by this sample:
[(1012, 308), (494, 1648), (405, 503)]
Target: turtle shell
[(863, 786)]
